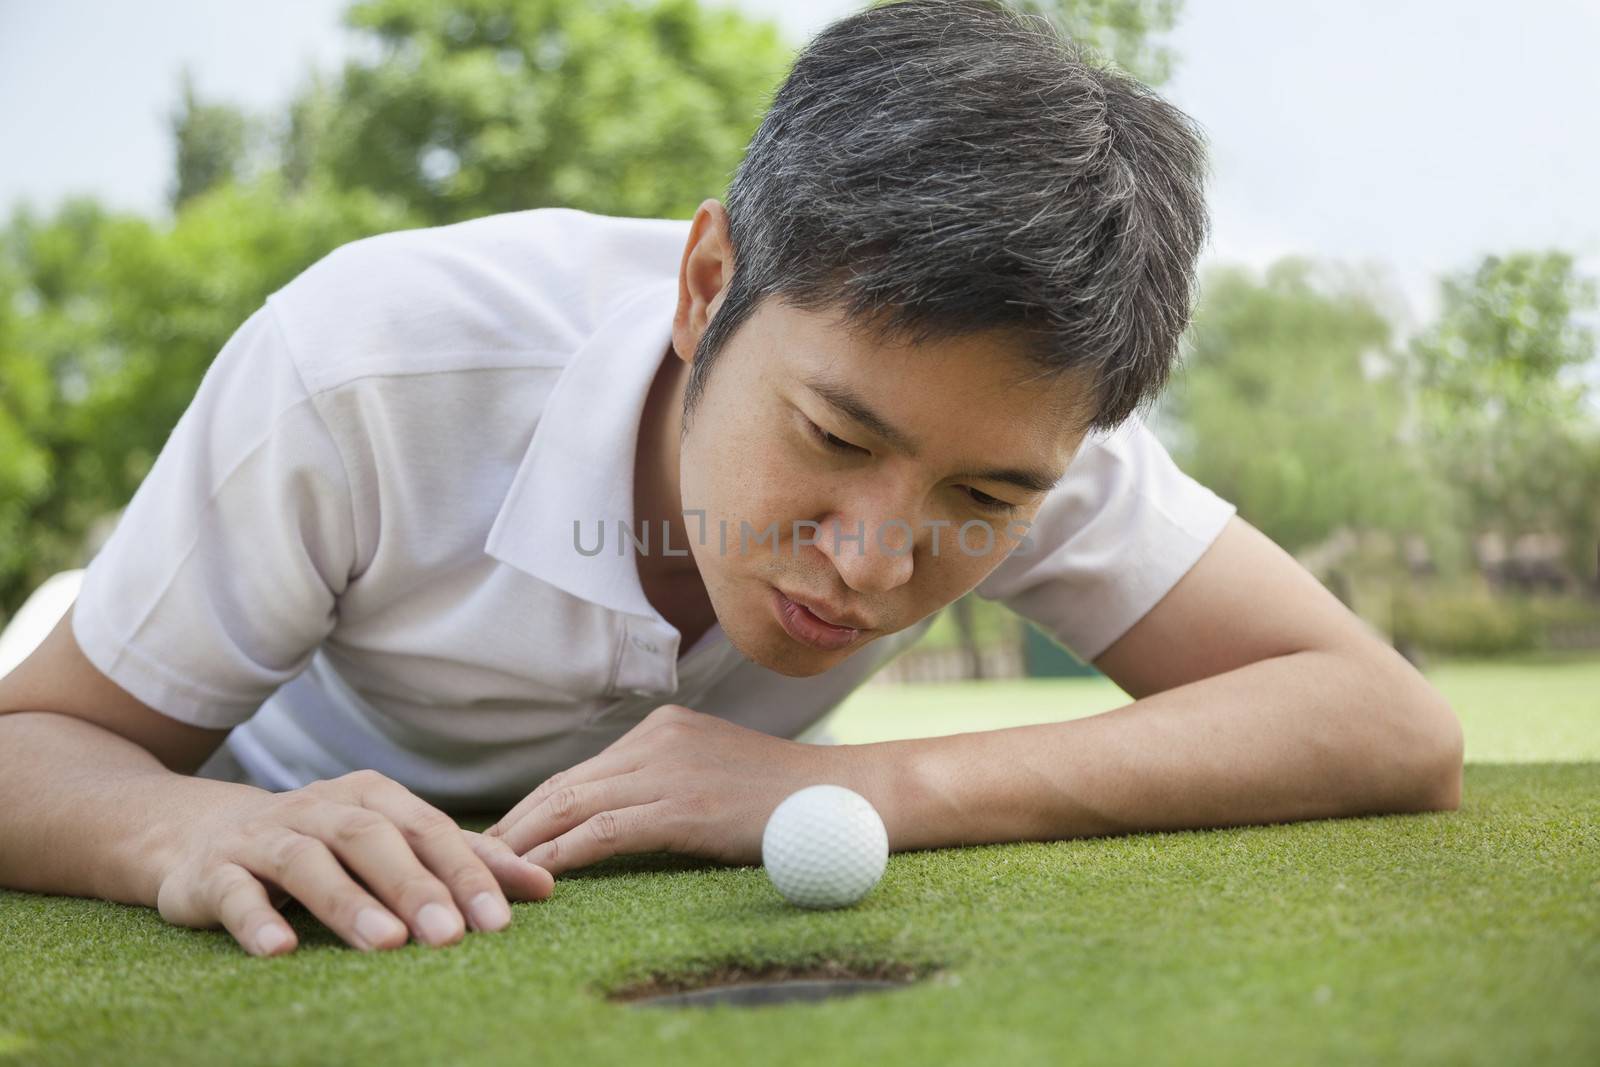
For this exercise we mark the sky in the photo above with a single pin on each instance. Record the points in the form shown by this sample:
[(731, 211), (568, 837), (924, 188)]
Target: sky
[(1408, 138)]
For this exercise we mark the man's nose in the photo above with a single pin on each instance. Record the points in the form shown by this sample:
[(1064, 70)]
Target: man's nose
[(872, 553)]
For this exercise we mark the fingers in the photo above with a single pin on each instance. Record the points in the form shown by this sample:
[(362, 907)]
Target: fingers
[(471, 891), (520, 879), (571, 803), (604, 765), (312, 874), (370, 859), (397, 852), (606, 834), (619, 757), (241, 904)]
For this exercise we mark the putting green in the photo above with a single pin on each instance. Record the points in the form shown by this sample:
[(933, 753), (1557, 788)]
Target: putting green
[(1464, 937), (1530, 709)]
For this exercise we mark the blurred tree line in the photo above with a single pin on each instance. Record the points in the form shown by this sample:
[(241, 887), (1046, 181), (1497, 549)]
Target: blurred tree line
[(1296, 401)]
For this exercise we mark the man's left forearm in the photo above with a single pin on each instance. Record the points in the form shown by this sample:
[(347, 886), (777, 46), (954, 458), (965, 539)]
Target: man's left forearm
[(1315, 734)]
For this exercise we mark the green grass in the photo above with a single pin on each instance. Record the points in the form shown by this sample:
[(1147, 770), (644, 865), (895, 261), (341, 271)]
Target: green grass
[(1532, 708), (1463, 937)]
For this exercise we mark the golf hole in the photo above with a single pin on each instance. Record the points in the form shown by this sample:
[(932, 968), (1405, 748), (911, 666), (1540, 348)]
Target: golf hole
[(749, 986)]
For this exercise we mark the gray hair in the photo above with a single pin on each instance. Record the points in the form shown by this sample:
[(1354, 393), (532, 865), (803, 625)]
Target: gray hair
[(940, 168)]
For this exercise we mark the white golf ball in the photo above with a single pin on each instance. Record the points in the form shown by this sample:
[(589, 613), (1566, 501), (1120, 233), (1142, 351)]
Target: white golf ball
[(824, 847)]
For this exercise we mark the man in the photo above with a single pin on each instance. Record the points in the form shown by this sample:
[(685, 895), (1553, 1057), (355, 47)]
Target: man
[(588, 518)]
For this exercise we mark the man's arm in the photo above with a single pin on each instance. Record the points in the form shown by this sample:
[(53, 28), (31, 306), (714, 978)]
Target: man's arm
[(88, 812), (1302, 736), (1262, 698), (1306, 735), (88, 780)]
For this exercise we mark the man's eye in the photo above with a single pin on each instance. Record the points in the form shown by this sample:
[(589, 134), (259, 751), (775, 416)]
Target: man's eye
[(835, 443), (989, 503)]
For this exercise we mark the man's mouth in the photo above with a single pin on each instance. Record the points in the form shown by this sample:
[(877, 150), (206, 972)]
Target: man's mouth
[(809, 628)]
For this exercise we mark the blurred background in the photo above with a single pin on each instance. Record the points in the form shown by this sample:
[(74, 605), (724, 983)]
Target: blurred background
[(1392, 371)]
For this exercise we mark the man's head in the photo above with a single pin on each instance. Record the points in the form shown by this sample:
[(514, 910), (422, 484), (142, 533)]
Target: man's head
[(951, 220)]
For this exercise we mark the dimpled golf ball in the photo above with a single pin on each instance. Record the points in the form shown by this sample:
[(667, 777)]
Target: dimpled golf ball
[(824, 847)]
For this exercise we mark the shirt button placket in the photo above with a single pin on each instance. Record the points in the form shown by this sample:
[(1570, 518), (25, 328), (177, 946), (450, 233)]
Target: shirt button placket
[(640, 664)]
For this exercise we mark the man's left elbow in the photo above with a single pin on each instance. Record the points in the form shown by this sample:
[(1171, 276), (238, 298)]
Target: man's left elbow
[(1444, 747)]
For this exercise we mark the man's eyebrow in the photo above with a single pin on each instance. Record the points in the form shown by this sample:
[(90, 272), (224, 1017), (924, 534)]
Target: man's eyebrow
[(849, 404), (1031, 479)]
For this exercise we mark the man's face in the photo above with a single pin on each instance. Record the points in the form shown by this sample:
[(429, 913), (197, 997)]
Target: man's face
[(953, 413)]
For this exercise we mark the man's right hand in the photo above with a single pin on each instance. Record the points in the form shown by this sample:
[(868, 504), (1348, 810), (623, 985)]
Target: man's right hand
[(419, 872)]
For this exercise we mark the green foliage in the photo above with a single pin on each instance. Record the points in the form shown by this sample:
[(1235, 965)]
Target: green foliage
[(1276, 410), (1470, 620), (210, 143), (1506, 413), (48, 324), (1473, 623), (1295, 404), (27, 402), (480, 106)]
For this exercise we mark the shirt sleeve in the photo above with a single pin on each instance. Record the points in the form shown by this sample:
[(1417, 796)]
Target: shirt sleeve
[(223, 573), (1124, 524)]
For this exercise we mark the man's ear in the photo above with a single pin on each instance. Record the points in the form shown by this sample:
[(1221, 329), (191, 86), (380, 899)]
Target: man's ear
[(703, 276)]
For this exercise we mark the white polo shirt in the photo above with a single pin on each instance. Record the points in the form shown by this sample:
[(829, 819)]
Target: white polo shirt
[(356, 547)]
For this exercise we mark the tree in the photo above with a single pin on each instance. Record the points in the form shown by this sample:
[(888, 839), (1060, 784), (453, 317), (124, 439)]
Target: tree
[(482, 106), (1506, 412), (49, 322), (26, 405), (1290, 405), (211, 143)]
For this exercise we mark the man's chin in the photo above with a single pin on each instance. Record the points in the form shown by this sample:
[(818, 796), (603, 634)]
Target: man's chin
[(781, 654)]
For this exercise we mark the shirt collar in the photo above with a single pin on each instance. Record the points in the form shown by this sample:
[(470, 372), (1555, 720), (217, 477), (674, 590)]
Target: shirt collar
[(580, 463)]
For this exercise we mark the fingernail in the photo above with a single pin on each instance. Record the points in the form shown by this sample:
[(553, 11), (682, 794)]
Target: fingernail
[(375, 927), (489, 912), (270, 938), (438, 924)]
